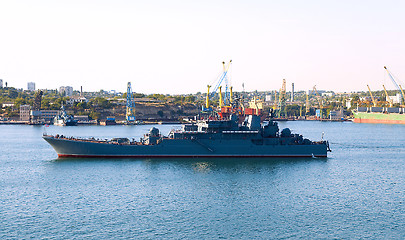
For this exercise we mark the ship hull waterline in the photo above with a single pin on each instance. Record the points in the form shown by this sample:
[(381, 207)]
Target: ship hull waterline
[(384, 118), (66, 148)]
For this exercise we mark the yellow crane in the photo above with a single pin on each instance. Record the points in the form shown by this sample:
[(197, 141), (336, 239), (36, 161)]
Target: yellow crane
[(319, 97), (207, 102), (307, 107), (211, 92), (388, 97), (308, 104), (400, 87), (281, 106), (221, 102), (231, 95), (275, 100), (372, 98)]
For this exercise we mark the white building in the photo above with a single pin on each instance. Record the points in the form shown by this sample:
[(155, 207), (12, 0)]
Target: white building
[(66, 90), (8, 104), (76, 99), (396, 99), (348, 103), (328, 94), (31, 86)]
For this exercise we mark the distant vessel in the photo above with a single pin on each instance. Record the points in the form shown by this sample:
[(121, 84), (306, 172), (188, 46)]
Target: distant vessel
[(63, 119), (379, 115), (206, 138)]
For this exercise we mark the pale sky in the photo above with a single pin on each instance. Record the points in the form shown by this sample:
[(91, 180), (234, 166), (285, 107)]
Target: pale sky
[(178, 46)]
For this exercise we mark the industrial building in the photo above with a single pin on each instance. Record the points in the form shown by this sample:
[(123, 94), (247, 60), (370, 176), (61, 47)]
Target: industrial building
[(336, 115), (49, 115)]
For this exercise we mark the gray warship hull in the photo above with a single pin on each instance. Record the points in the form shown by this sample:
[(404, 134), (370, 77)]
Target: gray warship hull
[(186, 148)]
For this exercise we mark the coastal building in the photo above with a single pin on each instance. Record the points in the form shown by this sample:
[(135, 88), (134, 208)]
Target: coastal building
[(49, 115), (66, 91), (336, 115), (31, 86), (8, 104), (81, 118), (25, 112), (396, 99)]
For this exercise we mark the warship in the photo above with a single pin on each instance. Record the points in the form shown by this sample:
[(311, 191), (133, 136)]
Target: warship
[(205, 138), (63, 119)]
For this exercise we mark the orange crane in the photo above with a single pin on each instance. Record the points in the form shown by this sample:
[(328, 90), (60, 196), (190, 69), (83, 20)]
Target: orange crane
[(372, 98), (388, 99)]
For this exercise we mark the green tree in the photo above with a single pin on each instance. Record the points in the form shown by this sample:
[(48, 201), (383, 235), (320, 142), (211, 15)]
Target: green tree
[(95, 115), (12, 93), (18, 102), (81, 105)]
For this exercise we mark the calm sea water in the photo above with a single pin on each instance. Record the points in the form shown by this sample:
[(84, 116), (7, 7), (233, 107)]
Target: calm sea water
[(358, 192)]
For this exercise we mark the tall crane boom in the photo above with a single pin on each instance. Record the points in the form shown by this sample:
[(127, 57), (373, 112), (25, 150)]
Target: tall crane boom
[(372, 98), (399, 87), (223, 78), (224, 99), (387, 97), (281, 106)]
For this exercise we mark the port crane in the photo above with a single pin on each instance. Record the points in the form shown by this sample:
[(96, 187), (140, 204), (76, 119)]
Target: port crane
[(319, 97), (388, 99), (130, 113), (225, 100), (398, 86), (372, 98), (281, 106)]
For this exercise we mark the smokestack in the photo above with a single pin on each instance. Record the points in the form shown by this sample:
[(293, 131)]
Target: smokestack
[(81, 91), (292, 92)]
